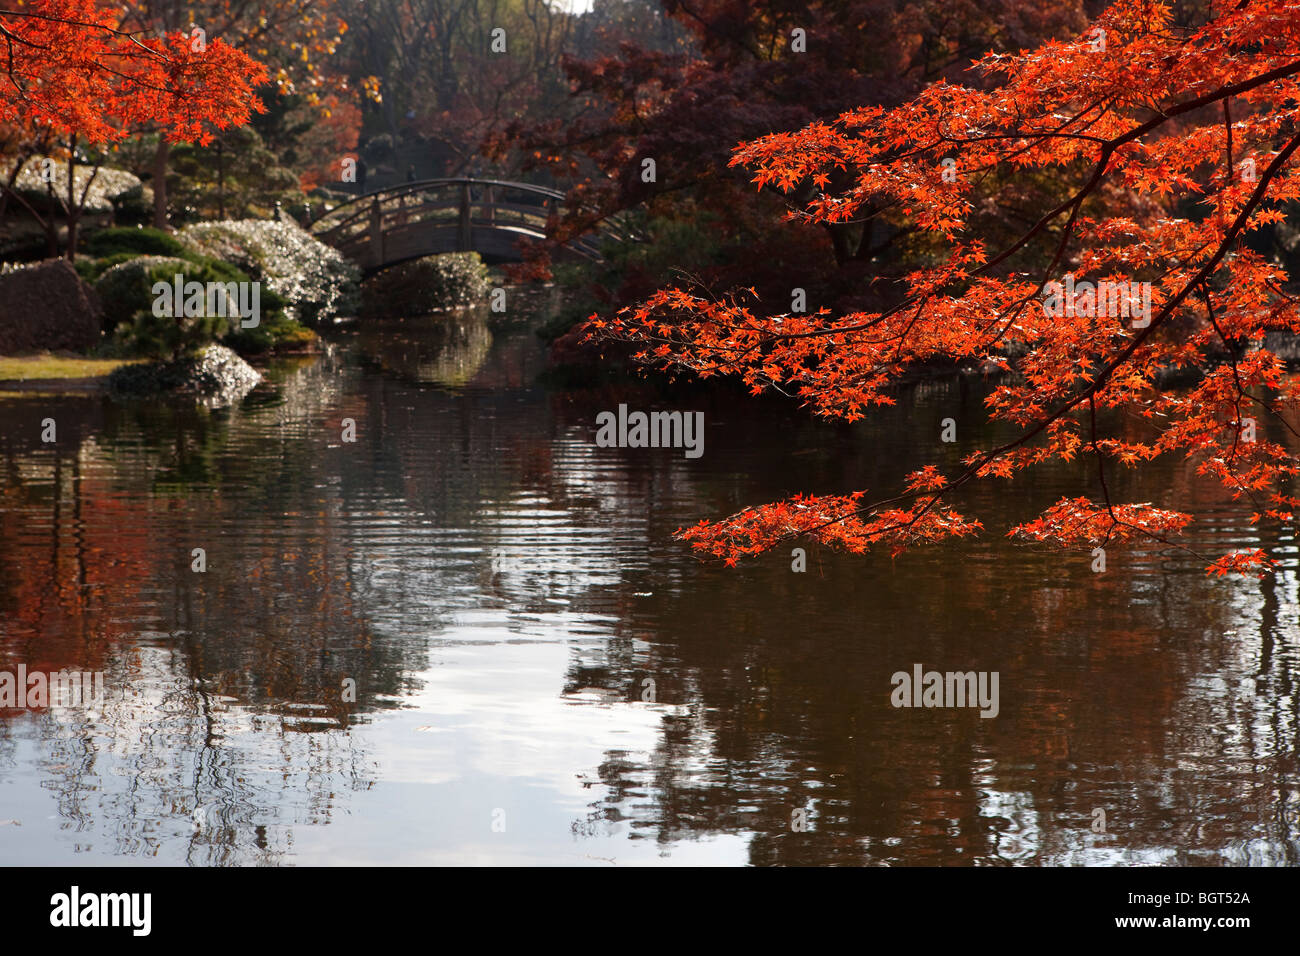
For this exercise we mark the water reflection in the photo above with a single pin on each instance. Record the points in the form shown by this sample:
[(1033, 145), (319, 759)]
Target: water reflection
[(542, 675), (447, 350)]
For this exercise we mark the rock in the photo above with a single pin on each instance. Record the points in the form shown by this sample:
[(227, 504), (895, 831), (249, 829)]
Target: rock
[(217, 376), (47, 307)]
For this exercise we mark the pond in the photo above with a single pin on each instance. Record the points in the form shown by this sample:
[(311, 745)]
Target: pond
[(468, 636)]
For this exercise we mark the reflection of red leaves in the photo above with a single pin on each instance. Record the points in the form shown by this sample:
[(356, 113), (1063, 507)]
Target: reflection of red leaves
[(832, 521)]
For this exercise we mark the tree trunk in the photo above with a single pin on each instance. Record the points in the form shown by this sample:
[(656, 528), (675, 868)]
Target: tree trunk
[(221, 183), (73, 208), (160, 182), (845, 238)]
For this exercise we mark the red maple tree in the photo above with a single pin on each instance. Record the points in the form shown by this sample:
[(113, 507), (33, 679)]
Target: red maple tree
[(1194, 127), (71, 70), (67, 64)]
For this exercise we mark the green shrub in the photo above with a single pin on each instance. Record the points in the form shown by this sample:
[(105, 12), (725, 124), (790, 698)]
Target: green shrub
[(86, 269), (141, 242), (126, 291), (276, 334), (449, 281), (168, 338)]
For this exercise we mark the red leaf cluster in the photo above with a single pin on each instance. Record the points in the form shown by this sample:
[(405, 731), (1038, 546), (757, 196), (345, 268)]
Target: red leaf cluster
[(1196, 125), (68, 65)]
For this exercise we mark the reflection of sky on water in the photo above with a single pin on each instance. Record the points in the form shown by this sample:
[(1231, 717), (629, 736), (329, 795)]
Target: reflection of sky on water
[(486, 730), (502, 589), (489, 732)]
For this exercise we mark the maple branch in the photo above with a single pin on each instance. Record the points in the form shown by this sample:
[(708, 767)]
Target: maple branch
[(66, 20), (1073, 204), (14, 38), (973, 470), (1232, 358), (1108, 148), (1227, 127)]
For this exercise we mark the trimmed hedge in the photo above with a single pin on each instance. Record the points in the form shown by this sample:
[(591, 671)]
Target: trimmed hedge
[(127, 293), (92, 269), (142, 242)]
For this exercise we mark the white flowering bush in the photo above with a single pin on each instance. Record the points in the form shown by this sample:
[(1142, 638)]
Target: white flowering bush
[(314, 279), (110, 185), (452, 280)]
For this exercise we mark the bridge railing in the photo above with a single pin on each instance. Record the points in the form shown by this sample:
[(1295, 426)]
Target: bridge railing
[(382, 226)]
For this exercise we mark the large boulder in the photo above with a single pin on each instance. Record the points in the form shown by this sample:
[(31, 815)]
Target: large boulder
[(46, 307)]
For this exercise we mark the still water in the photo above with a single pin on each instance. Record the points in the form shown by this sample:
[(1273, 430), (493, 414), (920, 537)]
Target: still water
[(543, 676)]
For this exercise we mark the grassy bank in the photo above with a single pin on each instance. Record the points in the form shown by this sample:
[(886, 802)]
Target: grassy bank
[(46, 367)]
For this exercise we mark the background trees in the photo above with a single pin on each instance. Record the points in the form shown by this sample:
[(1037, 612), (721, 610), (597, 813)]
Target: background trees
[(442, 80), (726, 72), (293, 38)]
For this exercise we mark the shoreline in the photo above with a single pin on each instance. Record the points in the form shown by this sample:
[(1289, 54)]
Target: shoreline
[(81, 386)]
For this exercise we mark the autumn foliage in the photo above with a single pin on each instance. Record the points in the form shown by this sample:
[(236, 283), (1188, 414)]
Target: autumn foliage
[(1174, 144), (69, 65)]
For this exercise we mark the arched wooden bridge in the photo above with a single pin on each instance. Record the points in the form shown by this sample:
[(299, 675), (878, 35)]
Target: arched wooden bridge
[(487, 216)]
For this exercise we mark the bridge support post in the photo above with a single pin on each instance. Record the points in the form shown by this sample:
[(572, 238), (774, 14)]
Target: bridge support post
[(376, 233), (465, 237)]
